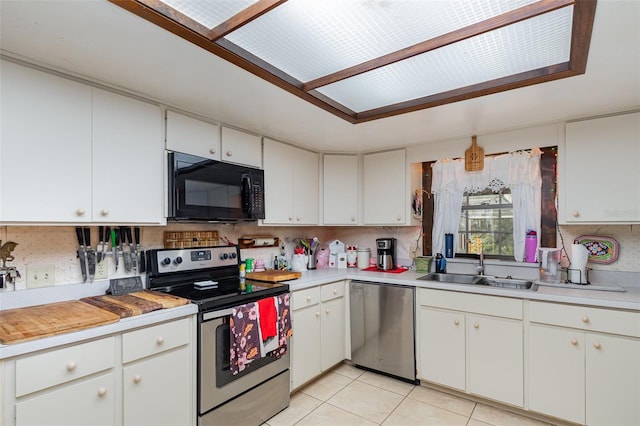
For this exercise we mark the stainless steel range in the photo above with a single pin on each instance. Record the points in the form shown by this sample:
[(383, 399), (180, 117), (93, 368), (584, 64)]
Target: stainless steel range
[(209, 277)]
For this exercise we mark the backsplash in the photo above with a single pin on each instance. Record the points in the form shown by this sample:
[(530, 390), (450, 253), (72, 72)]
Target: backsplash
[(57, 245)]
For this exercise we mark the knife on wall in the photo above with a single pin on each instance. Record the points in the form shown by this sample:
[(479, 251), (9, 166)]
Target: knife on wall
[(132, 250), (114, 247), (91, 253), (81, 253), (100, 246), (126, 254)]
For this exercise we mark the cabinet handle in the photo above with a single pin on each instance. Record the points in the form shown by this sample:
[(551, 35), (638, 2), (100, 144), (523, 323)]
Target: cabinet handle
[(575, 213), (353, 218), (80, 212), (335, 291), (398, 218), (102, 392), (476, 325), (104, 212), (229, 153), (574, 342), (160, 340), (71, 366), (597, 345), (585, 319), (290, 218), (212, 151), (318, 313), (137, 378), (308, 298), (298, 218), (327, 310), (456, 322)]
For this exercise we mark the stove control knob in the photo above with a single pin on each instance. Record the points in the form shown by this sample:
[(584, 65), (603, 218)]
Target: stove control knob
[(232, 255), (178, 260), (166, 261), (224, 256)]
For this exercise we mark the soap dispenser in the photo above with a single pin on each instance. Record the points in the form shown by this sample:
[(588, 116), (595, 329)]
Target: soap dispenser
[(441, 264)]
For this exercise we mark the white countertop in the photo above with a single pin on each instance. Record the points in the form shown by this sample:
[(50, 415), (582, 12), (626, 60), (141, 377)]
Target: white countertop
[(629, 299)]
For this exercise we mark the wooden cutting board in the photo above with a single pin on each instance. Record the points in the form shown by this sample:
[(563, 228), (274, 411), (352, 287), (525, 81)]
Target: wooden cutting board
[(273, 276), (34, 322), (166, 300), (125, 305), (474, 157)]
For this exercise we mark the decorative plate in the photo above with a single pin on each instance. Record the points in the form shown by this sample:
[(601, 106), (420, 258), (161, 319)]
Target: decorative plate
[(601, 249)]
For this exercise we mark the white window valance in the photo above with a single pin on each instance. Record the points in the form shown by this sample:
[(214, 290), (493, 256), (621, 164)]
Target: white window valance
[(518, 171)]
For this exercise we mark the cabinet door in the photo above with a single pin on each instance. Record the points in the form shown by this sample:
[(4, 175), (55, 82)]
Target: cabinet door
[(496, 358), (91, 402), (340, 189), (305, 187), (242, 148), (159, 390), (192, 136), (613, 380), (305, 364), (278, 183), (442, 347), (332, 333), (602, 156), (127, 160), (557, 372), (45, 139), (385, 198)]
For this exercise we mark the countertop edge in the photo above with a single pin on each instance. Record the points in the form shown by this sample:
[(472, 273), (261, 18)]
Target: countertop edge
[(125, 324)]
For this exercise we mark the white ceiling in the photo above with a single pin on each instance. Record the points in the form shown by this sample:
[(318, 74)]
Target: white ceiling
[(99, 40)]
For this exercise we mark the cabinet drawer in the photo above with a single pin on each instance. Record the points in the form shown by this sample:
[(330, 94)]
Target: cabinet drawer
[(332, 291), (152, 340), (474, 303), (586, 318), (304, 298), (51, 368)]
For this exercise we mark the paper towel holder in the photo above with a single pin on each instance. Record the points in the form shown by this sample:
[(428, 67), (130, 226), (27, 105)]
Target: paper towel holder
[(579, 273)]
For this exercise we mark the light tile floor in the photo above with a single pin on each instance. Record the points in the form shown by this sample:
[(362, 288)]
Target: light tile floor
[(350, 396)]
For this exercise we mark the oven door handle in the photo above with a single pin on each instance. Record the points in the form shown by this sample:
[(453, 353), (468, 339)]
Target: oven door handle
[(216, 314)]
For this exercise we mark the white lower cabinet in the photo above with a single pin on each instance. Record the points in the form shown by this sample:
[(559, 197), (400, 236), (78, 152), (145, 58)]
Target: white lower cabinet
[(472, 343), (87, 383), (583, 364), (319, 327)]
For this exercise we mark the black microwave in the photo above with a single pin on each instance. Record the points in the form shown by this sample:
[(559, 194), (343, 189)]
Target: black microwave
[(201, 189)]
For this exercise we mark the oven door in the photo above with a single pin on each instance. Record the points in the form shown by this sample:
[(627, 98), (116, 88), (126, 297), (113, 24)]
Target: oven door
[(203, 189), (217, 384)]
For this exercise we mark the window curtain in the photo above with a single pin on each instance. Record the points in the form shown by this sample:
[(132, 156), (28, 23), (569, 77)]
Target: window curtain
[(518, 171)]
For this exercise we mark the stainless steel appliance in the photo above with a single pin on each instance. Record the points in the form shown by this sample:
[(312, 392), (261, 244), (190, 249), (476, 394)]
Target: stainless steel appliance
[(386, 253), (209, 277), (206, 190), (383, 328)]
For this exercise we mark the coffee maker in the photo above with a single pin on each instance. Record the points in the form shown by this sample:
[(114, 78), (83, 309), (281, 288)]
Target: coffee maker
[(386, 253)]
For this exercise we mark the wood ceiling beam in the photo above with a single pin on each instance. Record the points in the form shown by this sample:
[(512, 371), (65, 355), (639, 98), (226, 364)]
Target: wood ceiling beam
[(243, 17), (584, 13), (150, 6), (491, 24)]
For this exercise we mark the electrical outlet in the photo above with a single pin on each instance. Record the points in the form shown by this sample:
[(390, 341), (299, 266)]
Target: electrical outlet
[(102, 271), (41, 276)]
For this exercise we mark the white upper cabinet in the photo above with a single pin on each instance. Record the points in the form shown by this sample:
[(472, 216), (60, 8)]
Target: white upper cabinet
[(45, 168), (599, 181), (385, 198), (241, 147), (340, 189), (76, 154), (127, 160), (291, 184), (192, 136)]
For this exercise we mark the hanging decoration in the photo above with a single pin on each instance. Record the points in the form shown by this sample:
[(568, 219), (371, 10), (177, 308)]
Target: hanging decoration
[(474, 157)]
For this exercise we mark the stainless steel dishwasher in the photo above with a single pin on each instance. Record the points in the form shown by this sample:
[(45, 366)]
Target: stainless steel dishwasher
[(383, 328)]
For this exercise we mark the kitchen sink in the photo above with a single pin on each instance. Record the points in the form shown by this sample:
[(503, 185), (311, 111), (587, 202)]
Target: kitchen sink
[(506, 283)]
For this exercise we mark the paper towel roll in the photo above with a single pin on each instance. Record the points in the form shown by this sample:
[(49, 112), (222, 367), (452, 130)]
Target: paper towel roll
[(579, 258)]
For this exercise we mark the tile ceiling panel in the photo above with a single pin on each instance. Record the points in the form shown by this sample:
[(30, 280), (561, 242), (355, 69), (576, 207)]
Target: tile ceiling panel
[(308, 39), (528, 45)]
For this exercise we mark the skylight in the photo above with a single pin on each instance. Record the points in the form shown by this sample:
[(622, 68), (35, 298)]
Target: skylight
[(368, 59)]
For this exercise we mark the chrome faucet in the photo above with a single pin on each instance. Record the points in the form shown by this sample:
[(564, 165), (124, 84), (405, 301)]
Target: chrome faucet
[(480, 267)]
